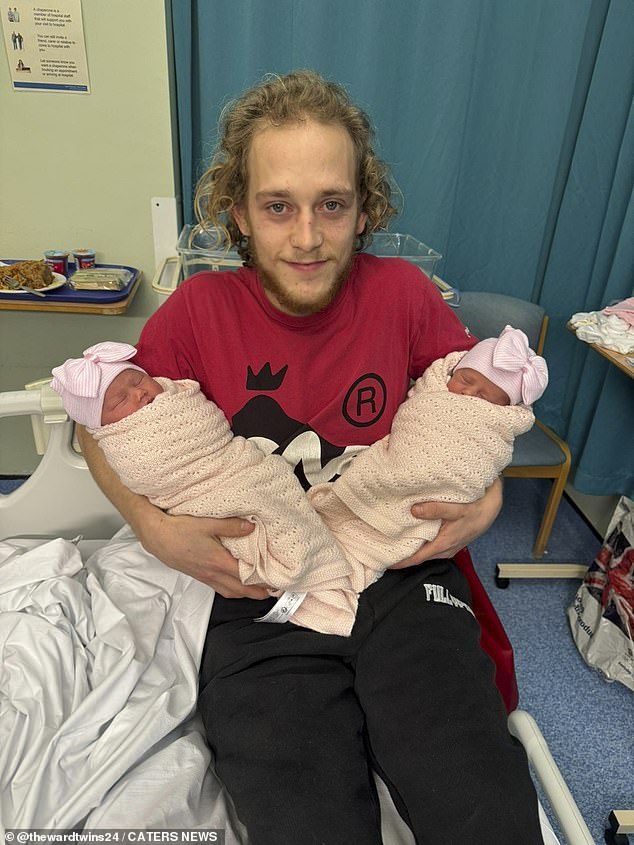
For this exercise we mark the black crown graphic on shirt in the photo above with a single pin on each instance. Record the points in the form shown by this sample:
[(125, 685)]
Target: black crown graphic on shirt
[(265, 380)]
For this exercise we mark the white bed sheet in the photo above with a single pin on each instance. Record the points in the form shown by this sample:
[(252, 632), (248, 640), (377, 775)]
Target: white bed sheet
[(98, 682)]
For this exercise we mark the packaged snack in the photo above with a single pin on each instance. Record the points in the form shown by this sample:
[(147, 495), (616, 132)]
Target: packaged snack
[(101, 279)]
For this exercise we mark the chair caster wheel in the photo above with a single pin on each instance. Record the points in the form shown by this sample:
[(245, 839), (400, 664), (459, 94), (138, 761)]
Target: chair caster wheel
[(612, 837), (501, 582)]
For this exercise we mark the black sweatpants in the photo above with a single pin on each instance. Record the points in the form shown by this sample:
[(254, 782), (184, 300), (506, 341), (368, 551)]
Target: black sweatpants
[(296, 720)]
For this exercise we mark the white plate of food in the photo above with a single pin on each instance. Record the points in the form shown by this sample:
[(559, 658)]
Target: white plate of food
[(29, 271)]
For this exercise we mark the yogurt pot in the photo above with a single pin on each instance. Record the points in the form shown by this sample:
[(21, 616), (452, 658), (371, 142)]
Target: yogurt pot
[(84, 258), (57, 260)]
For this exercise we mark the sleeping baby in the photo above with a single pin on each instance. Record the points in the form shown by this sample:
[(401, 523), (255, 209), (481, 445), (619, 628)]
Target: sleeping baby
[(449, 441), (168, 442)]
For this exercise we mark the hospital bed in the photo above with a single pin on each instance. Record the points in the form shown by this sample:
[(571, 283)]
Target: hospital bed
[(101, 644)]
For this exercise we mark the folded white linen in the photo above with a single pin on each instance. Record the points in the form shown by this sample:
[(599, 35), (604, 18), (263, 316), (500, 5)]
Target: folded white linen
[(609, 331)]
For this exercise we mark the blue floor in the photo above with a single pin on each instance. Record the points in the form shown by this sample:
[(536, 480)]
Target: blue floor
[(587, 722), (8, 484)]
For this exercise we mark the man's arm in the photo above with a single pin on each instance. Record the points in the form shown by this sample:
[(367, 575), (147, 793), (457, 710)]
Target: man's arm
[(461, 523), (187, 543)]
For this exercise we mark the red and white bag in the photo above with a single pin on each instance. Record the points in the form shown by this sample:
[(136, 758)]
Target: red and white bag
[(602, 614)]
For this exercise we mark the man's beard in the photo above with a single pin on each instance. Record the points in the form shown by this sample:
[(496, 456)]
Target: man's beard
[(293, 304)]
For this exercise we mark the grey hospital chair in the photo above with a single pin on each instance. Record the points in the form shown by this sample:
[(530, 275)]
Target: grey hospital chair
[(539, 453)]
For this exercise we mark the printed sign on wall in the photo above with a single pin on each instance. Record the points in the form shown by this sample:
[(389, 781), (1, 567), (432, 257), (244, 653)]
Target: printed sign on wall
[(45, 45)]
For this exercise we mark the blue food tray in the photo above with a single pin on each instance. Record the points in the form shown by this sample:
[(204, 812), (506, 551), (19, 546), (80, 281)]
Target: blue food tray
[(68, 294)]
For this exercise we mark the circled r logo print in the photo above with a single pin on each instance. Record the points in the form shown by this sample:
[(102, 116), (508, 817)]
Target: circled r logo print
[(365, 401)]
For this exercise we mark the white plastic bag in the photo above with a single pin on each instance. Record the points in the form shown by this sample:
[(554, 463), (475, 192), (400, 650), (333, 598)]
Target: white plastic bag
[(602, 614)]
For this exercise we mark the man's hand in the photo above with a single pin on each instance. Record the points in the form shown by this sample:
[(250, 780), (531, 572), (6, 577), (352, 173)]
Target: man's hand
[(460, 525), (191, 545), (187, 543)]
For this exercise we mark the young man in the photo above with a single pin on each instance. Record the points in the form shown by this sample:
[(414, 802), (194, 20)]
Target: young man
[(309, 350)]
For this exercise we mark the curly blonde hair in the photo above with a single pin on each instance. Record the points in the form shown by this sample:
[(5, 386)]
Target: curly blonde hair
[(279, 100)]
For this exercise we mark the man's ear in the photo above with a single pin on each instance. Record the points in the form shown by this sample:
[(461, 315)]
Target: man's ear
[(241, 219), (361, 222), (363, 219)]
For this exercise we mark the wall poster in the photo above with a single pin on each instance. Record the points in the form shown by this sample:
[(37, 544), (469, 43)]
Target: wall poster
[(45, 45)]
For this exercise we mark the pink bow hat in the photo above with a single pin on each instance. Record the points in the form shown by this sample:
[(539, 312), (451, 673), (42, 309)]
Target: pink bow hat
[(82, 382), (509, 362)]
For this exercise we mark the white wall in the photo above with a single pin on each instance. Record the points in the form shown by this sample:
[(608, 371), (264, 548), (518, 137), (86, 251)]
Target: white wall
[(79, 170)]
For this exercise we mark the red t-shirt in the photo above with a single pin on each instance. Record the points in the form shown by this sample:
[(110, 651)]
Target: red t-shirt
[(311, 388)]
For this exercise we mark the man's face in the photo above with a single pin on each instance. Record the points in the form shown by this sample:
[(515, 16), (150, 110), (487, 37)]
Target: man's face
[(302, 213)]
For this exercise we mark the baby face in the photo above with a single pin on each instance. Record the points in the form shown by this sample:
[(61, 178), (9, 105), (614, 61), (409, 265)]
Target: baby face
[(128, 392), (470, 382)]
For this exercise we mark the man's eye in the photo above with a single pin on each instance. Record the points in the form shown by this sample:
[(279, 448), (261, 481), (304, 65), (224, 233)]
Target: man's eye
[(332, 205), (277, 207)]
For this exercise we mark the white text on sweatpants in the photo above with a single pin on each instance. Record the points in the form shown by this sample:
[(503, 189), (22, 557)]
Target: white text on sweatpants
[(441, 595)]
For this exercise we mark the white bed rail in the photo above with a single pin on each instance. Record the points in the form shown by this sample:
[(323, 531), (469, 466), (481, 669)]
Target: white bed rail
[(60, 498), (524, 727)]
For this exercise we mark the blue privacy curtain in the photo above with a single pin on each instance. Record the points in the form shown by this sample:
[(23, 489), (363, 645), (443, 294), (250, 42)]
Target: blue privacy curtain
[(508, 127)]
